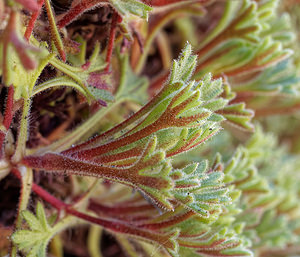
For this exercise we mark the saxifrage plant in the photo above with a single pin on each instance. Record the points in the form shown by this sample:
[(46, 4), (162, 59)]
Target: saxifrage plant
[(111, 139)]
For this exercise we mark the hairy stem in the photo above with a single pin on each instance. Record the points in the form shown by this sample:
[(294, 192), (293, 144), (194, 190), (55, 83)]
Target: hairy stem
[(146, 108), (26, 177), (54, 32), (113, 225), (111, 41), (8, 116), (33, 19), (22, 136)]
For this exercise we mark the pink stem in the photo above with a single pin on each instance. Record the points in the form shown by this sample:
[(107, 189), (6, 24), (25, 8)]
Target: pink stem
[(9, 108), (2, 138), (79, 9), (56, 203), (8, 116), (32, 20), (113, 225), (112, 36)]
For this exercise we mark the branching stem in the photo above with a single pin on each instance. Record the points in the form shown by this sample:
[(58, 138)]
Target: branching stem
[(113, 225)]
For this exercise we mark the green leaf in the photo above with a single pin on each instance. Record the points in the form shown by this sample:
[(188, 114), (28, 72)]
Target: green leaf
[(236, 113), (178, 119), (60, 81), (101, 94), (35, 240), (135, 7), (131, 87), (200, 191), (183, 68), (248, 42), (22, 79), (86, 78)]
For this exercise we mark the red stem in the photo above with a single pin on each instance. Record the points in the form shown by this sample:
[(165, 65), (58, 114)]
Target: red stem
[(167, 119), (79, 9), (97, 151), (59, 163), (121, 227), (8, 116), (114, 225), (2, 138), (33, 19), (9, 108), (119, 209), (56, 203), (115, 129), (112, 36), (135, 152), (170, 222)]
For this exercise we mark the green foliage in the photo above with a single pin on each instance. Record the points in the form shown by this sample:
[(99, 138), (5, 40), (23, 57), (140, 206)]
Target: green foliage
[(131, 7), (131, 87), (137, 164), (181, 118), (246, 43), (35, 240)]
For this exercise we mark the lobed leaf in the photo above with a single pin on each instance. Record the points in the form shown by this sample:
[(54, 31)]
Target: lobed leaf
[(35, 240)]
